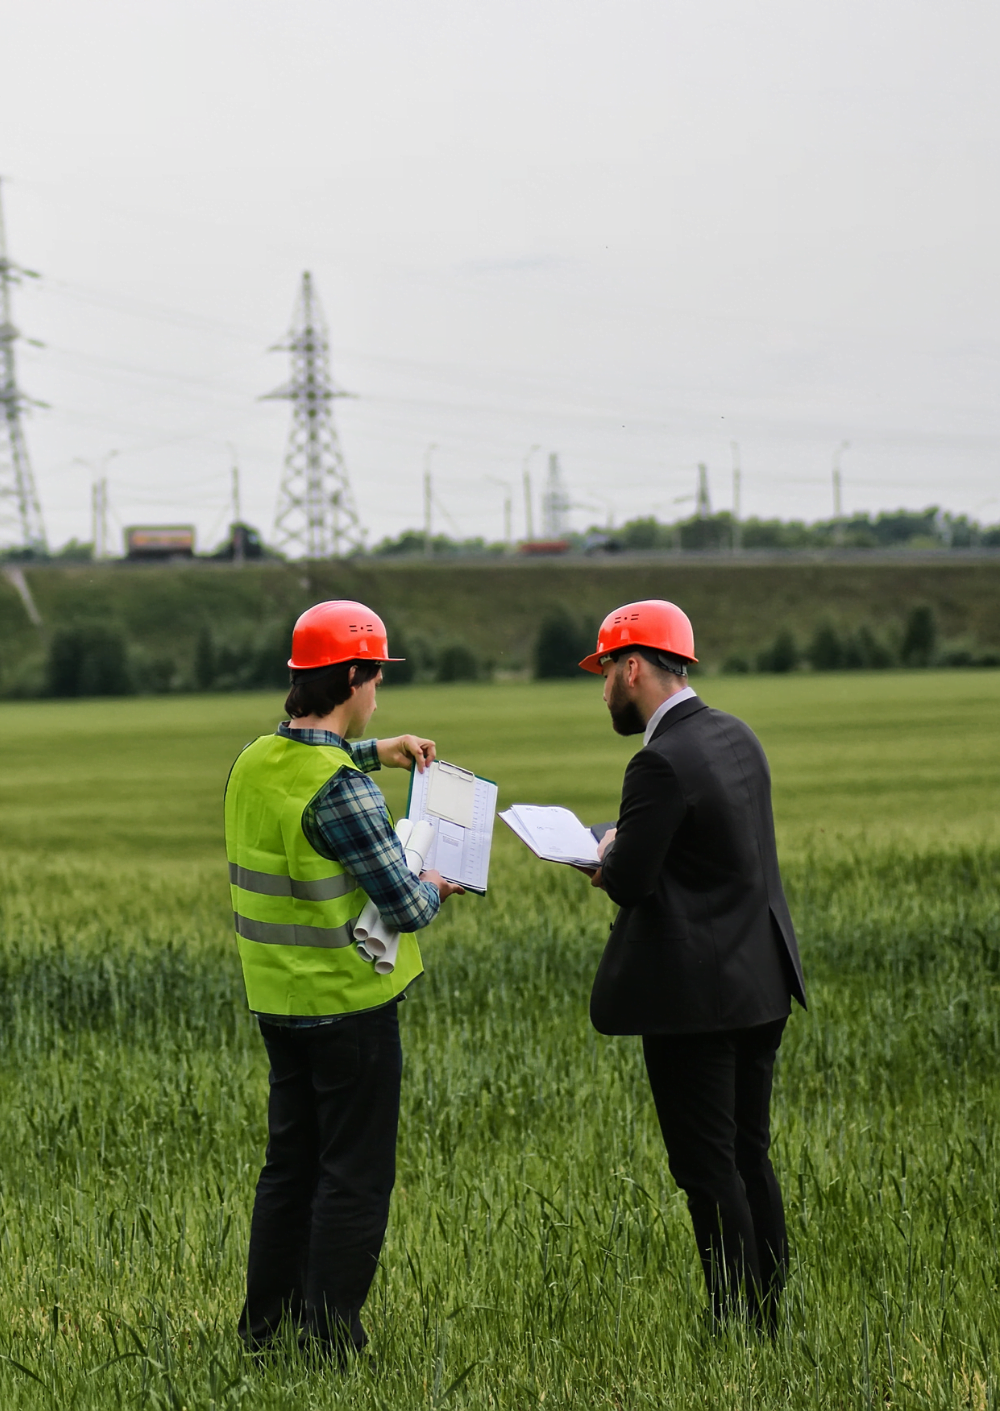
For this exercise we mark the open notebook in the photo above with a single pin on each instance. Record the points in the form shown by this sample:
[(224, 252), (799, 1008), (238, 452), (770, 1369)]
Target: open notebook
[(555, 834), (462, 807)]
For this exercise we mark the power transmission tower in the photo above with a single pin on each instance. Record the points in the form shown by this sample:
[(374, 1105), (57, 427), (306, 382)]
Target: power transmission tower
[(21, 525), (555, 503), (316, 514)]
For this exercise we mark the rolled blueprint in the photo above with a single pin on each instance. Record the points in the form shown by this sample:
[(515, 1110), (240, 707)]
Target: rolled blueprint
[(376, 941), (369, 932)]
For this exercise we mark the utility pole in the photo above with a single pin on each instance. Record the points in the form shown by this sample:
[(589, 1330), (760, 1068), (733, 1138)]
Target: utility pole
[(428, 502), (529, 517), (99, 518), (704, 503), (316, 514), (98, 503), (838, 494), (508, 512), (21, 524), (237, 535), (737, 498)]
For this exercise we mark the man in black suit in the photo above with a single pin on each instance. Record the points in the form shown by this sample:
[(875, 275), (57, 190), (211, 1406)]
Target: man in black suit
[(702, 960)]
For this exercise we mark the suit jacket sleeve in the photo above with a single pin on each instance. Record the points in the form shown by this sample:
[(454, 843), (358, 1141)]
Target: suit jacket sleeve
[(652, 810)]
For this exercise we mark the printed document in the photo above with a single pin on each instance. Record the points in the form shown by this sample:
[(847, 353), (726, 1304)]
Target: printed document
[(462, 807), (553, 834)]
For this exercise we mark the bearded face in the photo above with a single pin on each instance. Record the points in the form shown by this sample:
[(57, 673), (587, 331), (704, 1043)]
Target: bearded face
[(625, 715)]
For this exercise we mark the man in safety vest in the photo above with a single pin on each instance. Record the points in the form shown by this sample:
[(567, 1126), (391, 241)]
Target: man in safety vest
[(309, 841), (702, 958)]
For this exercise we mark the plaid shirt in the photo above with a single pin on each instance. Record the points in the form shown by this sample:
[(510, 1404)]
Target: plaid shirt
[(348, 822)]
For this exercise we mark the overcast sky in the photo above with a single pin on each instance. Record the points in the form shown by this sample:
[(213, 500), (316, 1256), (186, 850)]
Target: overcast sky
[(631, 233)]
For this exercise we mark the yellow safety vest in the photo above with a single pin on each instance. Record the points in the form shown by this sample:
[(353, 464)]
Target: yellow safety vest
[(295, 909)]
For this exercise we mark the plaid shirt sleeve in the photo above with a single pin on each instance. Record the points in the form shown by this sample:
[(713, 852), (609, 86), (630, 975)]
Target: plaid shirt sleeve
[(348, 822), (365, 755)]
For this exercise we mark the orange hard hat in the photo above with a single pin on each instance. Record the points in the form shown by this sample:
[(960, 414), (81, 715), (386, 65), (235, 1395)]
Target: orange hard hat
[(338, 631), (651, 623)]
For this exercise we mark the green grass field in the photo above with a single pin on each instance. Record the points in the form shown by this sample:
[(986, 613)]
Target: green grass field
[(538, 1253)]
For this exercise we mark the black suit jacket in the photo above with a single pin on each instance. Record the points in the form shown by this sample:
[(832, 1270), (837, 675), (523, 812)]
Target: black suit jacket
[(704, 940)]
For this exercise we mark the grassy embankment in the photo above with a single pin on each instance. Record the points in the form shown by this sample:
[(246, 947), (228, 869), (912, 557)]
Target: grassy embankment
[(537, 1244), (496, 607)]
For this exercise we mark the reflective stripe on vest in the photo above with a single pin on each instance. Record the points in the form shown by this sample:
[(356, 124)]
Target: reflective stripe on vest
[(267, 884), (277, 933), (294, 909)]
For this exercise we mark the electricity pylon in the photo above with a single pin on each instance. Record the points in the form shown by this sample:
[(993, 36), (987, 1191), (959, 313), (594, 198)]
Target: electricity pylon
[(316, 515), (555, 503), (21, 525)]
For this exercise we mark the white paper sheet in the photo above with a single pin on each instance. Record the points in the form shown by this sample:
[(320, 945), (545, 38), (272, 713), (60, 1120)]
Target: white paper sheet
[(451, 793), (460, 852), (552, 833)]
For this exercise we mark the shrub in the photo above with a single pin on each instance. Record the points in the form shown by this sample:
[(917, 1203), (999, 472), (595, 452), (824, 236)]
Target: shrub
[(153, 675), (204, 659), (401, 673), (825, 652), (735, 666), (919, 637), (968, 654), (88, 660), (782, 655), (867, 652), (458, 662), (561, 643), (266, 664)]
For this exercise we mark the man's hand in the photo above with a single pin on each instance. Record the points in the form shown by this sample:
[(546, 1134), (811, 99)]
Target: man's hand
[(403, 750), (597, 878), (445, 889)]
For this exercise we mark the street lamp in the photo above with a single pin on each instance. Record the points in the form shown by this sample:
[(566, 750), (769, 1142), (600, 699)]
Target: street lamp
[(428, 500), (529, 519), (508, 511), (98, 503)]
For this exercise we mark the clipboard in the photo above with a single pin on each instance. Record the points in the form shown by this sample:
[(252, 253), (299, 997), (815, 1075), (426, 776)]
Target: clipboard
[(462, 806)]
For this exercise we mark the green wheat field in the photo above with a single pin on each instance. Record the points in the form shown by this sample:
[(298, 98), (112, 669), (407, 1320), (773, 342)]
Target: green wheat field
[(538, 1253)]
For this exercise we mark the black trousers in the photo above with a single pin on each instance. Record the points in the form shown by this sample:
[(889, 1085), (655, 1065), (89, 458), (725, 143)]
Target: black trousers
[(322, 1202), (713, 1095)]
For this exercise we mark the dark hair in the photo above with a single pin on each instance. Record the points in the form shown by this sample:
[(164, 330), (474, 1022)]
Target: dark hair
[(663, 661), (318, 691)]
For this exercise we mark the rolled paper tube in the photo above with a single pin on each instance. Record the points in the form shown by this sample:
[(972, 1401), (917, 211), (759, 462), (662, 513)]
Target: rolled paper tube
[(385, 964), (419, 845), (378, 938), (375, 940), (366, 922)]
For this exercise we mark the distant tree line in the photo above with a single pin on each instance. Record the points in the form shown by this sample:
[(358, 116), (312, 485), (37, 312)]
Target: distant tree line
[(924, 529), (563, 640), (916, 643), (931, 528), (97, 659), (92, 658)]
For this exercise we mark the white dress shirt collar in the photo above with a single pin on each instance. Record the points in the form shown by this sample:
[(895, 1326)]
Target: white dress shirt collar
[(688, 694)]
